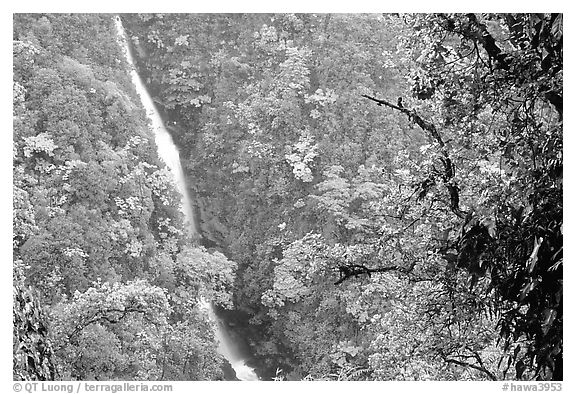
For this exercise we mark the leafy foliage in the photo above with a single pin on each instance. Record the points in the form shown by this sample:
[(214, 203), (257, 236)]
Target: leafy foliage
[(386, 192), (516, 63), (97, 225)]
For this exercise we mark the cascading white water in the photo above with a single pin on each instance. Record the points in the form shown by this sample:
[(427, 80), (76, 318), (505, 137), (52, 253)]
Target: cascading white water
[(228, 349), (169, 153), (166, 148)]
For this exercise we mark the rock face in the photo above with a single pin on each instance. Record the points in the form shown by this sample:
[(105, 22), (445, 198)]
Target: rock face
[(33, 355)]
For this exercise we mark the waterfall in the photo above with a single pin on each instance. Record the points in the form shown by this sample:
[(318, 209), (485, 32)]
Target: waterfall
[(228, 349), (168, 151), (166, 148)]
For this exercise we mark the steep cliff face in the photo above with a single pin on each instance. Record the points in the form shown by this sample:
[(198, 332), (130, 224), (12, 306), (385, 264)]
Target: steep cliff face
[(33, 357)]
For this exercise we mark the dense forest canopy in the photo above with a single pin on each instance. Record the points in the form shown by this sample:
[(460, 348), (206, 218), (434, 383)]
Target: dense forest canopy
[(98, 231), (379, 196)]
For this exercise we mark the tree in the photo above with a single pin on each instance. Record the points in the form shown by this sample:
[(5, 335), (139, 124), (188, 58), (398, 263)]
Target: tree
[(299, 170), (380, 194), (97, 221), (507, 68)]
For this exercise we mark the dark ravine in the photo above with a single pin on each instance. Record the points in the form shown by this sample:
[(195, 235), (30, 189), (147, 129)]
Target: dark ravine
[(231, 346)]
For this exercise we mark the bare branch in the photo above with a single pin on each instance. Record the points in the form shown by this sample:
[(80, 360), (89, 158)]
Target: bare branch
[(430, 129), (490, 375), (355, 270)]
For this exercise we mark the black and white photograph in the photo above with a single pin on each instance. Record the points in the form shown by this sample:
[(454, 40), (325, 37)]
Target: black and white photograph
[(287, 197)]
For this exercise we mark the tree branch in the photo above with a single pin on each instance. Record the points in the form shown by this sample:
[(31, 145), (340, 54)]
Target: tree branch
[(102, 315), (355, 270), (490, 375), (481, 34), (430, 129), (478, 33)]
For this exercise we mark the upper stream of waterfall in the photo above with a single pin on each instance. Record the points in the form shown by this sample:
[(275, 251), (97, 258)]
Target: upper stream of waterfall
[(169, 153)]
